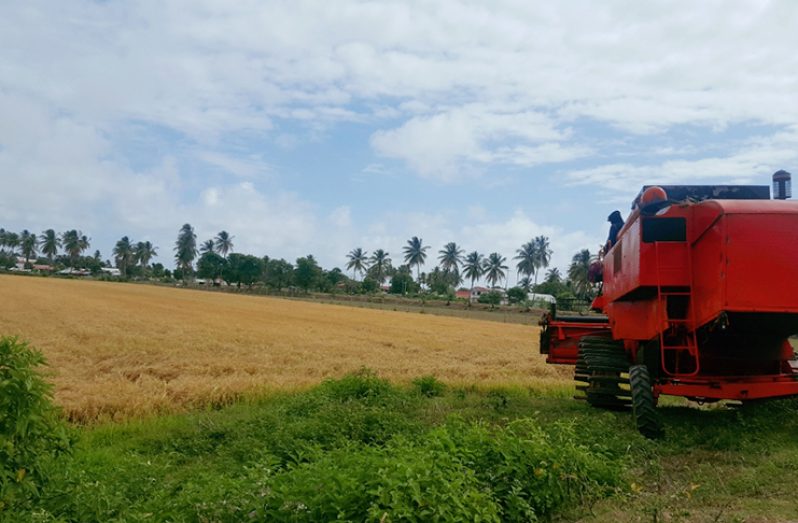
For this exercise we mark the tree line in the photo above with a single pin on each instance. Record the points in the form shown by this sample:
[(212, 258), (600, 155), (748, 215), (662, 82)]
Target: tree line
[(215, 261)]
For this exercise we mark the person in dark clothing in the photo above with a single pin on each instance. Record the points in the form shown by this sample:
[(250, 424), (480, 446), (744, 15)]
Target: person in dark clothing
[(616, 224)]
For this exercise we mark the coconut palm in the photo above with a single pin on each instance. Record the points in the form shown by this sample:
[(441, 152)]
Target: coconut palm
[(186, 248), (494, 268), (415, 254), (380, 262), (224, 243), (50, 244), (12, 242), (525, 283), (124, 255), (473, 267), (74, 243), (553, 276), (70, 240), (577, 272), (29, 244), (83, 243), (527, 257), (451, 256), (207, 246), (145, 251), (542, 254), (358, 261)]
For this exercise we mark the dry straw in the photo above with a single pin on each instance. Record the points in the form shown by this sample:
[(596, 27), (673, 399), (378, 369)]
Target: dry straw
[(120, 350)]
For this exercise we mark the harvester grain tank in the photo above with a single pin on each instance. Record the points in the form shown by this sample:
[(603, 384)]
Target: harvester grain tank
[(699, 298)]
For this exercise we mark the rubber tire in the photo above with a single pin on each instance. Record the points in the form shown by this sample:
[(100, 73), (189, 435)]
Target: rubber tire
[(643, 405)]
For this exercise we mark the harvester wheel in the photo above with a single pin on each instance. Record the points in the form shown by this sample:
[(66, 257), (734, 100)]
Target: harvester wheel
[(600, 373), (643, 408)]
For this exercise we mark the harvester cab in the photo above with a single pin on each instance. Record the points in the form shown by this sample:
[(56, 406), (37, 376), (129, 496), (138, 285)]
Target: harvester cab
[(699, 299)]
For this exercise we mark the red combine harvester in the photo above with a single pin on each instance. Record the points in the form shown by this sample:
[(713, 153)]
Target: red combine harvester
[(699, 298)]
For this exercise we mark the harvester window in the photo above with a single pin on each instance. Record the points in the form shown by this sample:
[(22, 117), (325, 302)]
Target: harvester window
[(664, 230)]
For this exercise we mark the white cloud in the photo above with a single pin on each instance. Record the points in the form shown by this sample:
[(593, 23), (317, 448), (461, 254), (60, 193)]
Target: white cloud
[(754, 162), (451, 88), (341, 216), (207, 68), (443, 145), (246, 167)]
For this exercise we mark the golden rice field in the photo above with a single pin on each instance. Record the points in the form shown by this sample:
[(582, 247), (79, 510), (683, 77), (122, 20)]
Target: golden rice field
[(117, 350)]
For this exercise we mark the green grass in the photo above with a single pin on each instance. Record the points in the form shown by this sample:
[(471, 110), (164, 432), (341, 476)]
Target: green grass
[(360, 449)]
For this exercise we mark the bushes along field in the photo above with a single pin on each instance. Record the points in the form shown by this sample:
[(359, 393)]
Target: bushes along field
[(353, 449), (359, 448)]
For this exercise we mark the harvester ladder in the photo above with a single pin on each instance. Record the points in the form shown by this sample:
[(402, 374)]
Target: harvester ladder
[(689, 341)]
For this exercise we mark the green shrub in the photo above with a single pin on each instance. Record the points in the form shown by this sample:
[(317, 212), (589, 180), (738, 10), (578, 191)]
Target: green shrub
[(457, 472), (30, 431), (429, 386), (363, 385), (491, 298), (397, 483)]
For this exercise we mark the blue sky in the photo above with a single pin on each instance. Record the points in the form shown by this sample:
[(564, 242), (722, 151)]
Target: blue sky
[(317, 127)]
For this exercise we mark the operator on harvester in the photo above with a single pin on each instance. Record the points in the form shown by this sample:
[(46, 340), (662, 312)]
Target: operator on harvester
[(616, 224), (595, 270)]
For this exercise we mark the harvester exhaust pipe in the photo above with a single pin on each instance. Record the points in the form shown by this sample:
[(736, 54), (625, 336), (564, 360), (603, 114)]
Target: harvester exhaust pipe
[(781, 185)]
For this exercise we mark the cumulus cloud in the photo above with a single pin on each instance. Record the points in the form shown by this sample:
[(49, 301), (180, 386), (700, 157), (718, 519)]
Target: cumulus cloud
[(452, 89), (443, 145), (753, 162)]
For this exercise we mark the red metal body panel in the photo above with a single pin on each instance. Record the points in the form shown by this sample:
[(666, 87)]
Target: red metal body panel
[(731, 388), (631, 264), (635, 320), (744, 257)]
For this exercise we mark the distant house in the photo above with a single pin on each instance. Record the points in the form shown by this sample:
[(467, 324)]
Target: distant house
[(111, 271), (476, 292)]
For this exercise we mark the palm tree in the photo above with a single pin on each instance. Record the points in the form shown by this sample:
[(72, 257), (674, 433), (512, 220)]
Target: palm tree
[(542, 254), (473, 267), (29, 243), (124, 255), (224, 243), (415, 254), (74, 243), (451, 256), (83, 243), (577, 272), (50, 244), (553, 276), (494, 268), (527, 257), (358, 260), (3, 233), (207, 246), (380, 262), (70, 240), (186, 248), (145, 251), (525, 283), (12, 242)]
